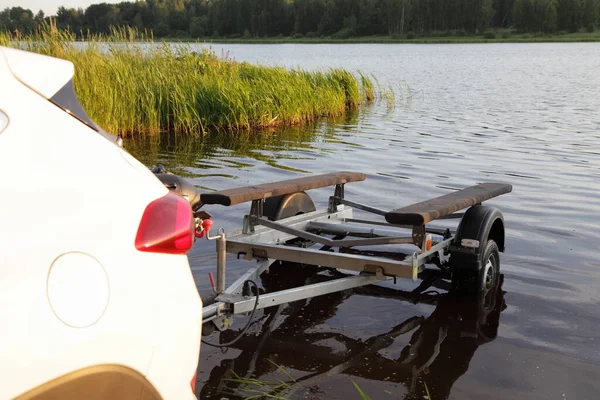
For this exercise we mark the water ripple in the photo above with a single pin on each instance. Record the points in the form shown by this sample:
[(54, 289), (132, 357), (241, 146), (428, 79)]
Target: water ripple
[(523, 114)]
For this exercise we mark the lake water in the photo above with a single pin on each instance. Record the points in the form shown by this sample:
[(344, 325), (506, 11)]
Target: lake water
[(525, 114)]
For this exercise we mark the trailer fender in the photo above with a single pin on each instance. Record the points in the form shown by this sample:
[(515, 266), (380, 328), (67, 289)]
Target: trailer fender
[(477, 226), (279, 207)]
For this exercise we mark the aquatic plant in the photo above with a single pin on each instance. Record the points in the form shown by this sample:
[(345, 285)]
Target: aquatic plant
[(129, 84), (427, 391), (390, 98), (367, 87), (252, 388), (362, 394)]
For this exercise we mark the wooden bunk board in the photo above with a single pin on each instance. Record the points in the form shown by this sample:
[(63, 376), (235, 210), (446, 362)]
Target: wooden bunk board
[(234, 196), (426, 211)]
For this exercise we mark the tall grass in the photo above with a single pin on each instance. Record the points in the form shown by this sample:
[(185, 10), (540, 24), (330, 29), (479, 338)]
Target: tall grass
[(129, 84)]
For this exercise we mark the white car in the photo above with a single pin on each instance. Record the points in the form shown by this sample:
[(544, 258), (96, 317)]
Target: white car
[(97, 300)]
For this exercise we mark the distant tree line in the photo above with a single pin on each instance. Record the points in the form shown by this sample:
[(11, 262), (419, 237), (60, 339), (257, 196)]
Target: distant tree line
[(316, 18)]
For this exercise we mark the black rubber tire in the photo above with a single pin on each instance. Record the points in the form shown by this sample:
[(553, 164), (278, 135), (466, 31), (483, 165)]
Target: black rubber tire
[(484, 280), (490, 304)]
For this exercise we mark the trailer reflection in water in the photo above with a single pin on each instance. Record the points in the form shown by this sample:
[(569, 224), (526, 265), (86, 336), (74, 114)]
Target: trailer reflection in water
[(439, 352)]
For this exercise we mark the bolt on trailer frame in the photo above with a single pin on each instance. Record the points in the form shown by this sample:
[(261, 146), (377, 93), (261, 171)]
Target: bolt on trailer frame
[(266, 237)]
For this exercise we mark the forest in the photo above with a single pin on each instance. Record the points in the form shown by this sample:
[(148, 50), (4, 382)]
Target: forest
[(338, 19)]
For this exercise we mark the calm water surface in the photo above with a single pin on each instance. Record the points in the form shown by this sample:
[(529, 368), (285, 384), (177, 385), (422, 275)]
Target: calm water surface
[(526, 114)]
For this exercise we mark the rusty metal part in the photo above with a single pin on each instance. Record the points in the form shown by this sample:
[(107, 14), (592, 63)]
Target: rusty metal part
[(426, 211), (231, 197), (418, 235), (377, 270)]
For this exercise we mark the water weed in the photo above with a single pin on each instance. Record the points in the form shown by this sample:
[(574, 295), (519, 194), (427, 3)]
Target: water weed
[(250, 388), (427, 391), (363, 395), (390, 98)]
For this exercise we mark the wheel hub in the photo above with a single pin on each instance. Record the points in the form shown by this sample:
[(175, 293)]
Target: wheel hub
[(488, 277)]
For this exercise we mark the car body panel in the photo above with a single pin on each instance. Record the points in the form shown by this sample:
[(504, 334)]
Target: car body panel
[(43, 74), (96, 383), (65, 188)]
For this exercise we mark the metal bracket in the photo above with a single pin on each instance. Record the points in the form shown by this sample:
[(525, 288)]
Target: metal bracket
[(377, 270), (223, 322), (418, 235), (339, 190), (257, 254), (256, 208), (256, 212), (336, 199)]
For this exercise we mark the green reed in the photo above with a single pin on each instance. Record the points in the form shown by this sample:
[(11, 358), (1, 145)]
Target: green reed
[(129, 84)]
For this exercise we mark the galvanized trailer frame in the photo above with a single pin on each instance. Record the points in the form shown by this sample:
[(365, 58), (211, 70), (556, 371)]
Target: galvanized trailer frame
[(267, 241)]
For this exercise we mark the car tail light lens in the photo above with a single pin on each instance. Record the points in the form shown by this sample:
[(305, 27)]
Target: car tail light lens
[(167, 226), (193, 381)]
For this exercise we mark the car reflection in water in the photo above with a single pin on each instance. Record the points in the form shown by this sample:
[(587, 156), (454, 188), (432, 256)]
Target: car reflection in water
[(440, 350)]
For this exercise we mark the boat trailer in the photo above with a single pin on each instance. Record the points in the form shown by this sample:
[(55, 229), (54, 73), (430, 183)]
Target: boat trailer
[(284, 225)]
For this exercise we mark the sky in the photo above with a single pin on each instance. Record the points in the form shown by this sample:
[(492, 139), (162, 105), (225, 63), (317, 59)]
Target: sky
[(50, 6)]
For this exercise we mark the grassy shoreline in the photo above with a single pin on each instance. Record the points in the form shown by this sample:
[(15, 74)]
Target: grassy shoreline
[(500, 37), (128, 87)]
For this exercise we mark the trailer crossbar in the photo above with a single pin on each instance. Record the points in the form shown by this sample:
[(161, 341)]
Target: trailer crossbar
[(243, 304), (264, 234), (352, 262), (331, 242)]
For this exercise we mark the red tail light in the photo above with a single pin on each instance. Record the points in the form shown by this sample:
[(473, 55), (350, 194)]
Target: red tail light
[(167, 226), (193, 382)]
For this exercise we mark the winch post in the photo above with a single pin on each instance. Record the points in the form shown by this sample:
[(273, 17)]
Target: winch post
[(221, 258), (221, 262)]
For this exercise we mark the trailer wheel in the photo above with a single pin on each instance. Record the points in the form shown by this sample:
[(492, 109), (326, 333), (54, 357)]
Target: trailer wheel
[(491, 304), (480, 281)]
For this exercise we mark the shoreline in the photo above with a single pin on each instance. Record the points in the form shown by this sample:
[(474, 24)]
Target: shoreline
[(566, 38)]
